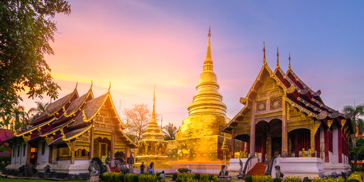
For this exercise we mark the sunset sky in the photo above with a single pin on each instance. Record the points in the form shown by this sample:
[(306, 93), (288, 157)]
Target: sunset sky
[(136, 44)]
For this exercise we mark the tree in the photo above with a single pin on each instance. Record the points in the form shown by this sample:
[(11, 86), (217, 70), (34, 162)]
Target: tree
[(358, 126), (137, 118), (36, 111), (26, 28), (169, 131)]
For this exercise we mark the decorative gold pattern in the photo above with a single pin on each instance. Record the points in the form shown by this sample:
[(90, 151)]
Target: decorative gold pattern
[(329, 123)]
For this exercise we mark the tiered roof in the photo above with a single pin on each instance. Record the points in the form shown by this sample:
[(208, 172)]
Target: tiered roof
[(69, 117), (298, 94)]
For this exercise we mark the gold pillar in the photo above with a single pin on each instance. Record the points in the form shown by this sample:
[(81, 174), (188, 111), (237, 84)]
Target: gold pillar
[(269, 146), (73, 152), (28, 151), (92, 143), (252, 131), (50, 155), (284, 129), (313, 133), (112, 144)]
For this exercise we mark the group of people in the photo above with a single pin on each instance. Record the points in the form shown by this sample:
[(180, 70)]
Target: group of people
[(150, 170)]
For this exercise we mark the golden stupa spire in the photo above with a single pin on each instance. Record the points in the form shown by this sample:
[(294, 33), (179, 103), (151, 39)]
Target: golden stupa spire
[(162, 124), (153, 113), (207, 66), (277, 58), (264, 60), (289, 62)]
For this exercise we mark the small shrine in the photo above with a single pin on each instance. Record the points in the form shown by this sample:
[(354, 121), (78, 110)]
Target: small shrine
[(153, 148)]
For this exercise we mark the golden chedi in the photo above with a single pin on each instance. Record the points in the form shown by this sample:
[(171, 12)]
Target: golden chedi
[(199, 138), (152, 147)]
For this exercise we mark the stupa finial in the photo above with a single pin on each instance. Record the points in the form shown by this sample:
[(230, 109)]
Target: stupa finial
[(264, 60), (153, 113), (162, 123), (207, 66), (277, 58), (289, 62)]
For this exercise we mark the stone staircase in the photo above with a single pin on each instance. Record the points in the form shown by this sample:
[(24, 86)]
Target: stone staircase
[(258, 170)]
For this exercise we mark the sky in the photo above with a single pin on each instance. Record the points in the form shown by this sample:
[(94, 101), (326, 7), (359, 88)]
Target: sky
[(136, 44)]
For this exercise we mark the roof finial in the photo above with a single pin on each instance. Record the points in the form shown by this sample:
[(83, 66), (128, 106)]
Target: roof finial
[(153, 113), (92, 83), (264, 60), (76, 85), (208, 61), (277, 58), (109, 87), (289, 62)]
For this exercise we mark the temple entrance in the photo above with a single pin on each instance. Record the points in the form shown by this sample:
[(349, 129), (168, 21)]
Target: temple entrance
[(300, 140), (268, 139), (102, 146)]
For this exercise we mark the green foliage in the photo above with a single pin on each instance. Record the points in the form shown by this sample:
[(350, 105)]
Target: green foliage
[(183, 170), (292, 179), (212, 178), (248, 179), (106, 176), (26, 30), (277, 180), (197, 176), (128, 177), (184, 177), (262, 179), (356, 175), (339, 179), (353, 180), (306, 180), (135, 178), (146, 178), (174, 176), (204, 178), (178, 180), (169, 131)]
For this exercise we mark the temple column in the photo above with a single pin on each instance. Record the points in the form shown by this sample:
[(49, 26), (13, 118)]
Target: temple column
[(340, 144), (312, 143), (92, 143), (29, 150), (268, 147), (50, 155), (284, 129), (252, 131), (247, 148), (73, 152), (112, 147), (263, 148), (326, 136), (242, 146), (233, 138), (296, 149)]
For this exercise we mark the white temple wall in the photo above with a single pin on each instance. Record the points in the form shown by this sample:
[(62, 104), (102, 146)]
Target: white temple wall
[(335, 144), (43, 158), (23, 158), (13, 156), (54, 154)]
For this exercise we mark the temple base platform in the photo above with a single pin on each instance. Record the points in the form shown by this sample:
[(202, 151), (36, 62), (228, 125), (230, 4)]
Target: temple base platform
[(199, 167)]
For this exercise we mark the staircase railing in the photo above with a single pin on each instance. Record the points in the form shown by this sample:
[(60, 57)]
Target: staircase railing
[(272, 165), (250, 163)]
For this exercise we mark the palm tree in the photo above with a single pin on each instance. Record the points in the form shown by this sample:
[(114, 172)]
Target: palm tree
[(169, 131), (18, 117), (358, 126), (36, 111)]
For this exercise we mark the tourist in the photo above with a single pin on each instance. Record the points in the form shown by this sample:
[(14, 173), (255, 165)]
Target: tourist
[(142, 168), (151, 169), (162, 175)]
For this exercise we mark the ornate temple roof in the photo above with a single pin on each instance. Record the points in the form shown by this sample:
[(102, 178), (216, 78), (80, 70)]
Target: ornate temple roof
[(298, 94), (70, 116)]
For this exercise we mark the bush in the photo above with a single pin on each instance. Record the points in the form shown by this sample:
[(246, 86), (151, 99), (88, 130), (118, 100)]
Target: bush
[(174, 177), (339, 179), (292, 179), (353, 180), (277, 180), (204, 178), (183, 170), (184, 177), (158, 178), (128, 177), (146, 178), (306, 180), (158, 174), (356, 175), (121, 177), (178, 180), (197, 176), (106, 176), (135, 178), (262, 178), (248, 179)]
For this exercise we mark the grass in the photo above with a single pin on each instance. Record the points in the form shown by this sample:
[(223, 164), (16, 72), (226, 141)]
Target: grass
[(33, 180)]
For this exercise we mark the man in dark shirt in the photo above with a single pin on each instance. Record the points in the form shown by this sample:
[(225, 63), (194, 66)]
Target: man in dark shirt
[(142, 168)]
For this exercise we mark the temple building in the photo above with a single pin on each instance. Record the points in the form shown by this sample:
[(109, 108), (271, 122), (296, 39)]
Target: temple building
[(198, 142), (284, 117), (152, 147), (73, 130)]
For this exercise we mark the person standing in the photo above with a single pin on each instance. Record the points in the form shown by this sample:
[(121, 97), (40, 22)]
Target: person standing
[(142, 168)]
